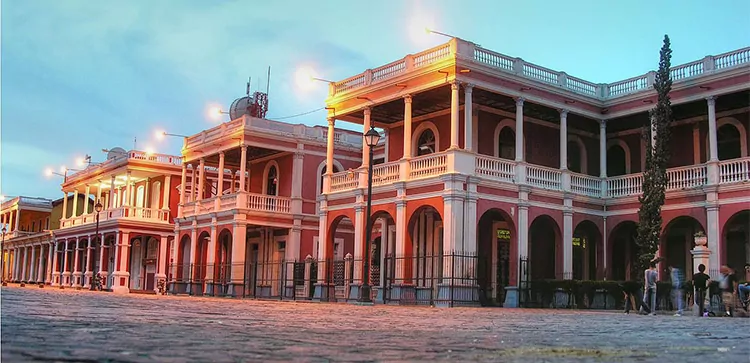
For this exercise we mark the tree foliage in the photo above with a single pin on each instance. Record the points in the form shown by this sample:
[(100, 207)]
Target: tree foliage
[(655, 174)]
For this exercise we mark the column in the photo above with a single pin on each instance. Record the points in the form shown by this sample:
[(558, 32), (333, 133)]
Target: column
[(125, 197), (365, 147), (563, 139), (161, 263), (89, 268), (14, 267), (568, 240), (400, 250), (211, 258), (468, 118), (40, 275), (712, 234), (86, 201), (65, 279), (470, 218), (183, 189), (359, 240), (56, 279), (112, 193), (16, 220), (329, 155), (99, 193), (22, 264), (603, 155), (122, 276), (50, 265), (297, 180), (201, 178), (239, 237), (243, 167), (519, 130), (407, 127), (454, 115), (193, 183), (220, 183), (75, 204), (713, 154), (76, 265), (32, 265), (65, 205), (166, 192)]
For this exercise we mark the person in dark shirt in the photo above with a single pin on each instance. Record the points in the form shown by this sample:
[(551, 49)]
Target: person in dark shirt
[(700, 282), (728, 286)]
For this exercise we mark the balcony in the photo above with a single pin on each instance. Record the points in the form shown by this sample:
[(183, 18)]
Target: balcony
[(123, 159), (507, 171), (152, 215), (473, 54), (251, 202)]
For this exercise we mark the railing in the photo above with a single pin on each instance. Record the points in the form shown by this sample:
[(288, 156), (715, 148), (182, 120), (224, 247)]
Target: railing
[(495, 169), (458, 48), (586, 185), (268, 203), (130, 155), (124, 212), (734, 171), (427, 166), (544, 177), (345, 180), (250, 201), (385, 173), (686, 177), (625, 185), (275, 128)]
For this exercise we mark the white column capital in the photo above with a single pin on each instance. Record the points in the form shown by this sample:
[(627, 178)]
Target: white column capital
[(468, 87), (711, 100), (367, 111), (519, 101), (563, 113), (603, 124), (455, 84), (407, 98)]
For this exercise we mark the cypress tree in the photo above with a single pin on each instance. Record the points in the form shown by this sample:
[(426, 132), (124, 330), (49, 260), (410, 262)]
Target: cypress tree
[(655, 174)]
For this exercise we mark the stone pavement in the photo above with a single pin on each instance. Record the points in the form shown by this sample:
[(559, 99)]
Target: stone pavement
[(81, 326)]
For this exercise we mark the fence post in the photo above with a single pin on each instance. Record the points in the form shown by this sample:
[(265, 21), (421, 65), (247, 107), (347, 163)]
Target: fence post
[(308, 281), (347, 275)]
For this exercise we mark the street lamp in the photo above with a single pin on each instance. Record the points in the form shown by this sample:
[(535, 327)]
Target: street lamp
[(97, 208), (372, 138), (2, 259)]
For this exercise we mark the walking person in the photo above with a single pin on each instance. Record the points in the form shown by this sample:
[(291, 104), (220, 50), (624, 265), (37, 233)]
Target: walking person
[(677, 292), (744, 288), (700, 282), (728, 287), (649, 289)]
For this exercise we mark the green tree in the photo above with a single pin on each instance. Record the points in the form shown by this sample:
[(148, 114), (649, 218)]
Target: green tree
[(655, 175)]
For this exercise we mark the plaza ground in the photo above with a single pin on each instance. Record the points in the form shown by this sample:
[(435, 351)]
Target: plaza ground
[(53, 325)]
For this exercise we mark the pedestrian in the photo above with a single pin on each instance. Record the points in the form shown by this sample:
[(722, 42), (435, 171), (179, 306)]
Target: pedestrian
[(744, 288), (629, 292), (700, 282), (728, 287), (649, 289), (677, 285)]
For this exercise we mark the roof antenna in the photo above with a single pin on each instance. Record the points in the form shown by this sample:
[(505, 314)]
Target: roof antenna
[(268, 81), (247, 88)]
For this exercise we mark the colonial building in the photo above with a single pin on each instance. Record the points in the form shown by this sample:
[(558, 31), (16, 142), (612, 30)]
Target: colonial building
[(126, 242), (27, 223), (498, 172), (248, 218)]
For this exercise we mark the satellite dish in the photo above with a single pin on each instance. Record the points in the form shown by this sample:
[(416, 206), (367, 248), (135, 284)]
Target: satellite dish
[(240, 107), (116, 153)]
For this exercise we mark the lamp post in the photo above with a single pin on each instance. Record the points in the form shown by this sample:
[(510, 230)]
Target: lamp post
[(97, 208), (2, 258), (371, 139)]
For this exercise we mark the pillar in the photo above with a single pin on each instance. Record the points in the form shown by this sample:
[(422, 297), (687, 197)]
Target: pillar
[(454, 114), (713, 154), (603, 148), (329, 155), (201, 178), (89, 268), (713, 236), (468, 118), (237, 275), (568, 239), (365, 147), (86, 201), (407, 127), (76, 265), (121, 275), (161, 264), (32, 265), (563, 139), (243, 167), (75, 204), (99, 194), (65, 279), (50, 263), (519, 130), (112, 193), (220, 183), (56, 280), (65, 206), (166, 192)]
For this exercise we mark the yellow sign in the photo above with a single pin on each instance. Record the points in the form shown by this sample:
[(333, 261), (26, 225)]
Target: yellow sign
[(503, 234)]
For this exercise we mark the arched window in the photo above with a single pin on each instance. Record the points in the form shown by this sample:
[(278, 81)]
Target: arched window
[(426, 143), (156, 195), (728, 142), (140, 196), (272, 180), (616, 161), (507, 143)]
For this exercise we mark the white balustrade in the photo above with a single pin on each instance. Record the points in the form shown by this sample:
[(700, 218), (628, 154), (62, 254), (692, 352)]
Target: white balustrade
[(625, 185), (495, 168), (586, 185), (544, 177), (686, 177), (124, 212), (734, 171), (268, 203), (345, 180), (385, 173), (427, 166)]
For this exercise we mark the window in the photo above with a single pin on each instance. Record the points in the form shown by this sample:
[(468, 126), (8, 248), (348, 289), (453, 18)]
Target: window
[(426, 144), (272, 181), (616, 161), (728, 142), (507, 144), (156, 195), (574, 157)]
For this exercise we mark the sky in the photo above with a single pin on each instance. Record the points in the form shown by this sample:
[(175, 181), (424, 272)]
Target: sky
[(81, 76)]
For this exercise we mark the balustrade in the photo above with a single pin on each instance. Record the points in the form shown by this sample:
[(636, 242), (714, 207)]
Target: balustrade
[(124, 212)]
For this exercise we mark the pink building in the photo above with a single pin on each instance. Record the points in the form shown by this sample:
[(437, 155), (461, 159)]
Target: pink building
[(249, 218), (498, 172)]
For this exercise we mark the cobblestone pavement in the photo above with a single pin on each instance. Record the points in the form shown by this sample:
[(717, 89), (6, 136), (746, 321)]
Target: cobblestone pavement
[(71, 326)]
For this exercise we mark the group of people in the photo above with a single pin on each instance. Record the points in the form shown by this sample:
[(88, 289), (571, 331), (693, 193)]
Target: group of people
[(728, 283)]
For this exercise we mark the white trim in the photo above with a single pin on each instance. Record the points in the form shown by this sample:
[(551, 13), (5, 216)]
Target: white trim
[(266, 170), (496, 138), (625, 148), (740, 128), (582, 151), (421, 127)]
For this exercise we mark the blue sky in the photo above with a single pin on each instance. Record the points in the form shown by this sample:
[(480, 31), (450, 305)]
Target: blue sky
[(79, 76)]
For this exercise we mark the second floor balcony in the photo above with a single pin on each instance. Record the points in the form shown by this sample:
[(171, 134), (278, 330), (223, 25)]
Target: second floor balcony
[(500, 170), (123, 213), (249, 202)]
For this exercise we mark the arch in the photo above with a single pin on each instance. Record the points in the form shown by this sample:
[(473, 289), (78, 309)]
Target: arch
[(623, 251), (583, 154), (498, 129), (545, 250), (156, 195), (417, 134), (676, 242), (588, 251), (740, 129), (735, 241), (626, 150), (270, 167), (337, 167), (496, 252), (140, 196), (424, 240)]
